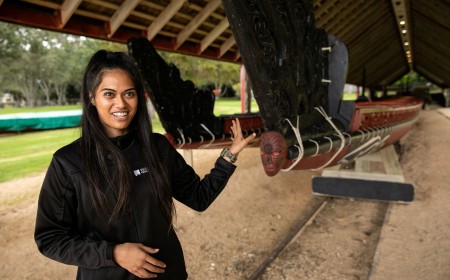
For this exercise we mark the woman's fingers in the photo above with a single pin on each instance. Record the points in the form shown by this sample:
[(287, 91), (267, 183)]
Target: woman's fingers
[(149, 266), (142, 273), (236, 130), (151, 260), (239, 142), (137, 259)]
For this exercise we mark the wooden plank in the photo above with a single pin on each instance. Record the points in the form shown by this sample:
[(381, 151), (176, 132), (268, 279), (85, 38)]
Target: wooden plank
[(376, 176), (380, 166), (445, 112)]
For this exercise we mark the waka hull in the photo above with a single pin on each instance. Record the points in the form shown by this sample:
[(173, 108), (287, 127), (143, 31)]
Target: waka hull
[(357, 144)]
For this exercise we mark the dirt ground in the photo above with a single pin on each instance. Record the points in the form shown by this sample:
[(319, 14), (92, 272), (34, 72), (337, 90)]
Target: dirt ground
[(255, 212)]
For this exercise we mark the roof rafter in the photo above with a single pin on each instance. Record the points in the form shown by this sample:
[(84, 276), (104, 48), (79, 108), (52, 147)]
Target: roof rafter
[(66, 11), (163, 18), (198, 20), (120, 15), (219, 29)]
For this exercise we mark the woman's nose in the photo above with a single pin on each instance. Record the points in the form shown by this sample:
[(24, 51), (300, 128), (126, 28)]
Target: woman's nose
[(120, 102)]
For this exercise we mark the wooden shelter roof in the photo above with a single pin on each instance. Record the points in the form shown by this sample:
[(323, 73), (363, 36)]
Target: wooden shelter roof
[(380, 52)]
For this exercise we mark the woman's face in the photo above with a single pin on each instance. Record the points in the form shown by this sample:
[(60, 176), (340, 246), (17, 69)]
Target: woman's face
[(116, 102)]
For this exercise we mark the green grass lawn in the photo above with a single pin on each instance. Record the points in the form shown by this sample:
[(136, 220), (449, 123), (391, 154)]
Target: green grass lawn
[(25, 154), (30, 153)]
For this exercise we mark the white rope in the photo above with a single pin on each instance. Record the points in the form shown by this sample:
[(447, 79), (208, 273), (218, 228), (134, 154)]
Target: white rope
[(328, 119), (212, 135), (364, 146), (317, 146), (182, 138), (299, 146), (371, 131), (201, 139), (374, 147), (349, 137), (331, 143), (367, 131), (190, 140), (370, 148), (363, 136)]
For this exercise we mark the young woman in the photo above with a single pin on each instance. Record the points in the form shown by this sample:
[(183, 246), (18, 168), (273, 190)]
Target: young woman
[(106, 202)]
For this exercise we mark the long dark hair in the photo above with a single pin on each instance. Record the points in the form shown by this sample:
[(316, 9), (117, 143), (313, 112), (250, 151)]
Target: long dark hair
[(96, 146)]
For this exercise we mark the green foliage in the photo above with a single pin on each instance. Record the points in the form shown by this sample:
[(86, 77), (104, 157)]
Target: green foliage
[(411, 81), (203, 71)]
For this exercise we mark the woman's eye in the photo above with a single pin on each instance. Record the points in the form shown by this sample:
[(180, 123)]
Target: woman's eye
[(107, 93), (130, 93)]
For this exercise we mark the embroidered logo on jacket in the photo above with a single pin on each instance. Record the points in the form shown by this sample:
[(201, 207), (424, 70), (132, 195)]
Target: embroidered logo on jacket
[(140, 171)]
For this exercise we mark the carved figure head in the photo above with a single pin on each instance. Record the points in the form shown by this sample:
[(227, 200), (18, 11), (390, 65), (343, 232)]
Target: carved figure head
[(273, 152)]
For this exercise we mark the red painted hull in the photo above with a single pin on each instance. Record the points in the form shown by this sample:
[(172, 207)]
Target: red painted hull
[(382, 122)]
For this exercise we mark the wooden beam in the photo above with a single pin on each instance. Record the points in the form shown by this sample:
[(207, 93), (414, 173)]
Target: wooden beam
[(324, 8), (197, 21), (50, 5), (346, 20), (120, 15), (429, 74), (226, 46), (337, 13), (66, 11), (237, 56), (219, 29), (163, 18), (340, 18), (364, 21)]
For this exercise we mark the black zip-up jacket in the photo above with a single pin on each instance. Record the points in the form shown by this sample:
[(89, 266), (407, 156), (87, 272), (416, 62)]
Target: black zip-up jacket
[(71, 231)]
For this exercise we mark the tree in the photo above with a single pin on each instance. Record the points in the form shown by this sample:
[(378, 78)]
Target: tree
[(33, 56), (9, 55), (203, 71)]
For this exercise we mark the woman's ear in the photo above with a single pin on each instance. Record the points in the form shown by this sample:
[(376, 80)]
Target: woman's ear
[(92, 98)]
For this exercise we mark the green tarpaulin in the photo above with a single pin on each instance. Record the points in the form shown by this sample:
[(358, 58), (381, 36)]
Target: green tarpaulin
[(40, 121)]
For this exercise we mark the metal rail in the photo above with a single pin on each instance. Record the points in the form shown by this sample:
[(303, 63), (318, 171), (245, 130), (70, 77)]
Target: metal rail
[(300, 226)]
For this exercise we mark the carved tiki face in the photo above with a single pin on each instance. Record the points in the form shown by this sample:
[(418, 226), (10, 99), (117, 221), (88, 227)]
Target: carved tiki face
[(273, 152)]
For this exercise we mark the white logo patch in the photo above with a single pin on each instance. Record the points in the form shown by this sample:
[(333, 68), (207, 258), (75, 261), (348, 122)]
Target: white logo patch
[(140, 171)]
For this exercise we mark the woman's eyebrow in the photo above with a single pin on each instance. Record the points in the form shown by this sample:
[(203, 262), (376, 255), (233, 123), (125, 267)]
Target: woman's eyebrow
[(110, 89), (107, 89)]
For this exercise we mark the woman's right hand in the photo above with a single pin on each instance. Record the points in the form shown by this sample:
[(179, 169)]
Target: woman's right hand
[(137, 259)]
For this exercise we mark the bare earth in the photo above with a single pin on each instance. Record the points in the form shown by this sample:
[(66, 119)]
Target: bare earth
[(255, 212)]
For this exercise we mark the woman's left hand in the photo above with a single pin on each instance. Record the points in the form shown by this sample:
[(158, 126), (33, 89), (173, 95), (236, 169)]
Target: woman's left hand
[(239, 142)]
